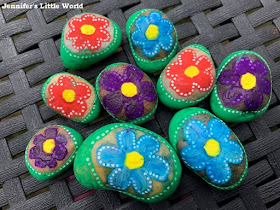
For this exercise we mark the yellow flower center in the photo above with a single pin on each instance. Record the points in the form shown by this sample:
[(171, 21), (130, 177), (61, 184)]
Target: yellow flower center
[(248, 81), (191, 71), (133, 160), (87, 29), (212, 148), (152, 32), (48, 146), (129, 89), (69, 95)]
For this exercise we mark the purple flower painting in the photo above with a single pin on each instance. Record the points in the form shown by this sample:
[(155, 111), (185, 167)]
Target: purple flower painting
[(49, 148)]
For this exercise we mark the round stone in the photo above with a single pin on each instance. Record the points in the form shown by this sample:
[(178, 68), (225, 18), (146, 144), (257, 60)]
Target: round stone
[(188, 78), (152, 38), (243, 89), (51, 151), (71, 96), (127, 93), (208, 147), (128, 159), (88, 38)]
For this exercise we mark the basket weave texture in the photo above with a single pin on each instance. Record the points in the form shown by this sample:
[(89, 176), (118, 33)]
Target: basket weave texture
[(29, 54)]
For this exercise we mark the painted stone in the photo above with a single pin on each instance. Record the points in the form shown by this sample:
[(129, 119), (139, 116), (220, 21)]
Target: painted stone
[(127, 93), (243, 89), (52, 151), (152, 38), (88, 38), (71, 96), (127, 158), (188, 78), (208, 147)]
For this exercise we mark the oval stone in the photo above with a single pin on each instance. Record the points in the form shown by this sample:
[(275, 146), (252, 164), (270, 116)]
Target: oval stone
[(52, 151), (127, 93), (71, 96), (152, 38), (243, 89), (129, 159), (88, 38), (208, 147), (188, 78)]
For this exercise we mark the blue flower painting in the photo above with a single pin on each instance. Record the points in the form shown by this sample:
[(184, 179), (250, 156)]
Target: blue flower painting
[(134, 161)]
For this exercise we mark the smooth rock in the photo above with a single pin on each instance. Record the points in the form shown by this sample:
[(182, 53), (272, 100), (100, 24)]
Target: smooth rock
[(129, 159), (208, 147), (152, 38), (243, 89), (127, 93), (88, 38), (71, 96), (52, 151), (188, 78)]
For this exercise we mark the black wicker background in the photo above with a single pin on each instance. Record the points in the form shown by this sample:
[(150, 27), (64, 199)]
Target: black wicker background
[(29, 54)]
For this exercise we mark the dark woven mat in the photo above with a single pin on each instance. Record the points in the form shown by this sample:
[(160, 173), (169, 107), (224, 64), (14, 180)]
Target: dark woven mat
[(29, 54)]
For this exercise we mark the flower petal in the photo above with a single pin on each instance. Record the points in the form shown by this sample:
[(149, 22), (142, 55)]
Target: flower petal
[(126, 140), (263, 85), (182, 85), (253, 99), (242, 66), (141, 183), (196, 133), (82, 91), (166, 42), (229, 78), (154, 18), (52, 163), (110, 156), (39, 139), (258, 68), (113, 102), (61, 139), (151, 48), (219, 172), (218, 130), (132, 74), (147, 91), (195, 157), (111, 80), (138, 37), (204, 81), (156, 167), (119, 178), (233, 96), (40, 163), (165, 28), (134, 108), (232, 152), (147, 145), (34, 153), (59, 152), (50, 133)]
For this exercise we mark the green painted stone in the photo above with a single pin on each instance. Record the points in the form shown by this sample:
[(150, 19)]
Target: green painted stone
[(152, 38), (129, 159), (188, 78), (71, 96), (243, 89), (208, 147), (88, 38), (127, 93), (51, 151)]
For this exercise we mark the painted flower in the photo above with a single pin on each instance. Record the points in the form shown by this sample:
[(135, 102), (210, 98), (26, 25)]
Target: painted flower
[(247, 83), (134, 161), (68, 96), (49, 148), (190, 72), (88, 31), (211, 149), (152, 34), (127, 91)]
